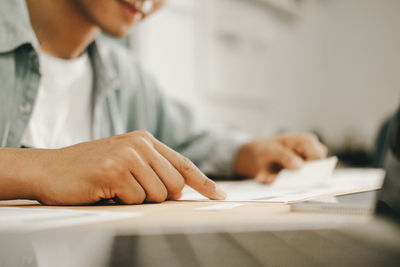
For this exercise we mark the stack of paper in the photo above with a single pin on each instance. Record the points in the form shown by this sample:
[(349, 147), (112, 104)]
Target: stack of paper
[(315, 179)]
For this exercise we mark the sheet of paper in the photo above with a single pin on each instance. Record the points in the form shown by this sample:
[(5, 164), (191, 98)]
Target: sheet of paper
[(330, 199), (29, 219), (312, 173), (294, 189)]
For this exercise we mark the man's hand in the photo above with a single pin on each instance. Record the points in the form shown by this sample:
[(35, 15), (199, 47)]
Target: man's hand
[(263, 159), (132, 168)]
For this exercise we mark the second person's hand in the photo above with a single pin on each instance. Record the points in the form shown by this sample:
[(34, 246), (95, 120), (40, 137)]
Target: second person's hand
[(264, 158)]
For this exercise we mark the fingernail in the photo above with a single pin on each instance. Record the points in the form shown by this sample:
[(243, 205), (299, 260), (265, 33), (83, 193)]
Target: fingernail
[(221, 194)]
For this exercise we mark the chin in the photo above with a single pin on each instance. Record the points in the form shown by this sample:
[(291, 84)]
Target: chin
[(121, 31), (118, 33)]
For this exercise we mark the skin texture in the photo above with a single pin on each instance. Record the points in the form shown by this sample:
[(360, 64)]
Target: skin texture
[(135, 167)]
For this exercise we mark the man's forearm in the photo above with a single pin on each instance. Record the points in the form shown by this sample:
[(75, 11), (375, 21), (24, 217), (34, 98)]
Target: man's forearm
[(16, 173)]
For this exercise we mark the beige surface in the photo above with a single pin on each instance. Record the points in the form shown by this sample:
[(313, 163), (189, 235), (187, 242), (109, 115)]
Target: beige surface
[(181, 216)]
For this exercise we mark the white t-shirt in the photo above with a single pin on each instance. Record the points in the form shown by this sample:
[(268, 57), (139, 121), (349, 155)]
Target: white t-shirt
[(62, 113)]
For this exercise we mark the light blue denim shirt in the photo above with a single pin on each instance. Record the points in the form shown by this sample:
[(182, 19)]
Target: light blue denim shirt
[(125, 98)]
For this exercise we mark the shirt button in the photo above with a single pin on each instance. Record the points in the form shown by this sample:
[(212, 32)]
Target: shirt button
[(25, 108)]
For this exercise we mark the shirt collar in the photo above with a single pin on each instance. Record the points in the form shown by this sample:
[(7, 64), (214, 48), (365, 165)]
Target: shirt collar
[(15, 26), (104, 70), (16, 30)]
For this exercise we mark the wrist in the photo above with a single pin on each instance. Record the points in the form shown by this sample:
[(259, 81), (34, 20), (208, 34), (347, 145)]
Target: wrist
[(245, 161), (20, 173)]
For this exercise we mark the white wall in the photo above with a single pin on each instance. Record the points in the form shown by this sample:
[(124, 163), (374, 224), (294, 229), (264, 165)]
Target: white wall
[(326, 65)]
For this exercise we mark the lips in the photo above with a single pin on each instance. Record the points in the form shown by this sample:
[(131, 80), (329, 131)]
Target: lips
[(145, 7), (142, 6), (129, 4)]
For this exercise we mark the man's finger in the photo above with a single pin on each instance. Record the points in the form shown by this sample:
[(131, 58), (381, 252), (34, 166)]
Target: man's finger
[(148, 179), (130, 191), (311, 151), (265, 177), (306, 145), (170, 176), (192, 175), (286, 157)]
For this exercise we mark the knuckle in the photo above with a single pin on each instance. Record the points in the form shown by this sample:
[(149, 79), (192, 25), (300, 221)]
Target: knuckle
[(207, 183), (125, 150), (137, 140), (143, 133), (140, 142), (187, 165)]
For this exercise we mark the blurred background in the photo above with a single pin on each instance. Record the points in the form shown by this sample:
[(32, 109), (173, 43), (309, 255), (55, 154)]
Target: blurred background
[(271, 66)]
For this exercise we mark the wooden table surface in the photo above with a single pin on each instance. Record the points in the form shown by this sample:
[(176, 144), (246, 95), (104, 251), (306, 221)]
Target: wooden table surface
[(121, 242), (182, 216)]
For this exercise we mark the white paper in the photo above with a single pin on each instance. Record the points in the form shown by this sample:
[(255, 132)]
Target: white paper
[(31, 219), (330, 199), (223, 206), (312, 173), (314, 180)]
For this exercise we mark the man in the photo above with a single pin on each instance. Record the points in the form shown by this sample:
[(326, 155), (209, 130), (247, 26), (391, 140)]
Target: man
[(96, 126)]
